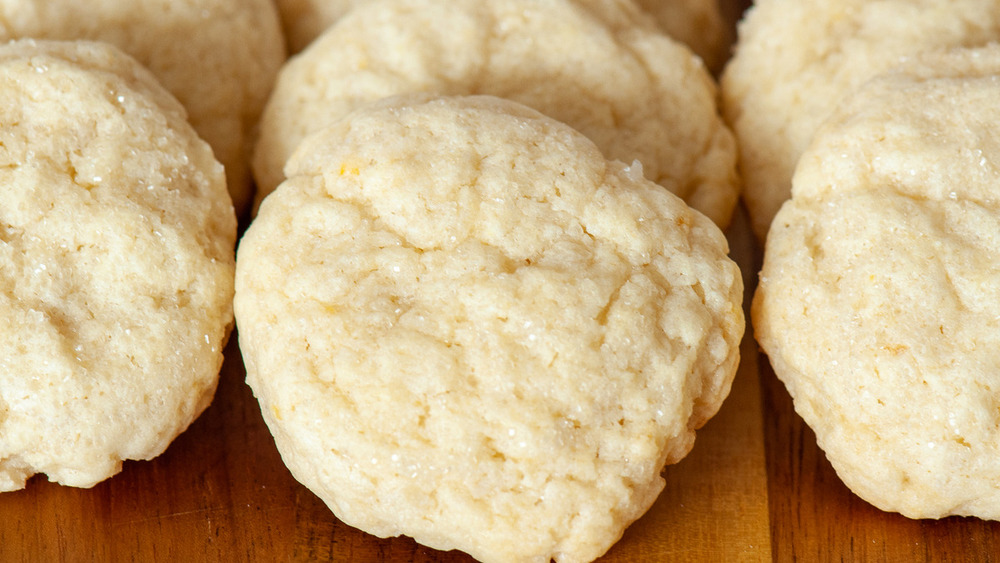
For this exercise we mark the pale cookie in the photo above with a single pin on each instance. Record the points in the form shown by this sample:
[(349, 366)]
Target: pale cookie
[(795, 59), (602, 67), (464, 325), (696, 23), (116, 264), (218, 57), (879, 299)]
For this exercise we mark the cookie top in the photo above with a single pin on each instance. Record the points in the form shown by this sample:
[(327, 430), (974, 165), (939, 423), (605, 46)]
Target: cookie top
[(796, 59), (879, 300), (116, 264), (698, 24), (463, 324), (197, 49), (600, 66)]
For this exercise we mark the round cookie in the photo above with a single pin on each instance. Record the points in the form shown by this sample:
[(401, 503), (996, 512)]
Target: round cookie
[(116, 264), (198, 49), (879, 299), (795, 59), (601, 67), (698, 24), (464, 325)]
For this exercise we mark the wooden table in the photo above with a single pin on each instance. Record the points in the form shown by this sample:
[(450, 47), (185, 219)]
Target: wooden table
[(755, 488)]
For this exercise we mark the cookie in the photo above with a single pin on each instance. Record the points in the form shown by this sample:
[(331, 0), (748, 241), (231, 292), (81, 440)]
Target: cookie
[(199, 50), (464, 325), (601, 67), (698, 24), (795, 60), (879, 299), (117, 250)]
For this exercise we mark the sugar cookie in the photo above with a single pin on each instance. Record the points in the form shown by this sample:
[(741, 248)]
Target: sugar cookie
[(601, 67), (464, 325), (879, 299), (116, 264)]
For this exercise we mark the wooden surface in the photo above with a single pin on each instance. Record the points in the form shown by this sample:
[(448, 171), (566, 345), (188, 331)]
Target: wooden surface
[(755, 488)]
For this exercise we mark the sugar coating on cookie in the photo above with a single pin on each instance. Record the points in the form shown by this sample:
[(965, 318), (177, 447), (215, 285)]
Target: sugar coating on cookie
[(796, 59), (116, 264), (696, 23), (879, 299), (218, 57), (464, 325), (601, 67)]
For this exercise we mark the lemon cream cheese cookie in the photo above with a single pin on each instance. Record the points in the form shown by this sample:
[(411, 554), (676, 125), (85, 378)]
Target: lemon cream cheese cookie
[(464, 325), (879, 299), (795, 60), (601, 67), (218, 57), (116, 264)]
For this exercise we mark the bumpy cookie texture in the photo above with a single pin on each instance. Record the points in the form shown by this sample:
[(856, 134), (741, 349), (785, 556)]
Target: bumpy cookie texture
[(218, 57), (464, 325), (795, 60), (116, 264), (696, 23), (879, 300), (601, 66)]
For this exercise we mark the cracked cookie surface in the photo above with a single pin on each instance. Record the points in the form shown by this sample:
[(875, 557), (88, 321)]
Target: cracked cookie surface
[(796, 59), (197, 49), (116, 245), (465, 325), (879, 299)]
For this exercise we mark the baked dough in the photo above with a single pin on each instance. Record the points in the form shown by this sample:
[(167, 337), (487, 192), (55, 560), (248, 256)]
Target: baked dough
[(697, 23), (218, 57), (879, 299), (464, 325), (601, 67), (796, 59), (116, 264)]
